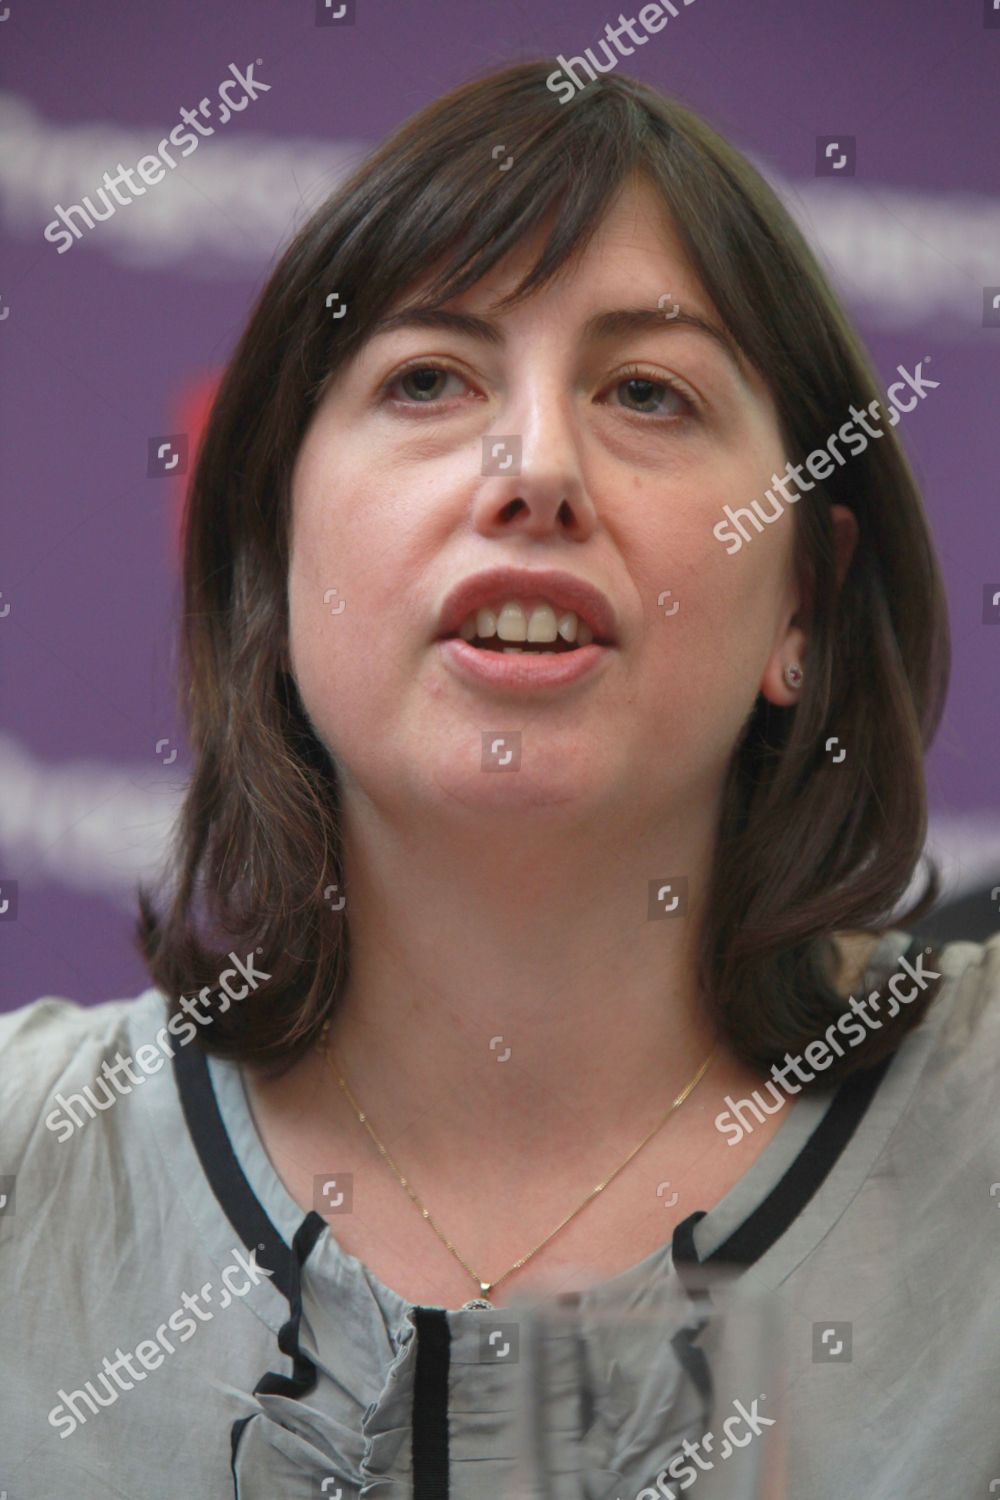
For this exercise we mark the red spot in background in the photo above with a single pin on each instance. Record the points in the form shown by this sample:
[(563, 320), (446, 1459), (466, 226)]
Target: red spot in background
[(189, 413)]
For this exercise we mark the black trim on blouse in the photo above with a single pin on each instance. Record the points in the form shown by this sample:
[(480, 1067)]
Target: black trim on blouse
[(752, 1239), (800, 1182), (429, 1437), (225, 1176), (803, 1179), (303, 1376)]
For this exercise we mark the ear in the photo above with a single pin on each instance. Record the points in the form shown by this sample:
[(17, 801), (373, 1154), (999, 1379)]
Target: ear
[(791, 650), (845, 539)]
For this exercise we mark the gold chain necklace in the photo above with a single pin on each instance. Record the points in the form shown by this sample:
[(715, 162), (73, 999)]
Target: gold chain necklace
[(487, 1286)]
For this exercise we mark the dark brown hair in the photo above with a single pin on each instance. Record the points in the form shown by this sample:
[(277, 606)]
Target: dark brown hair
[(806, 847)]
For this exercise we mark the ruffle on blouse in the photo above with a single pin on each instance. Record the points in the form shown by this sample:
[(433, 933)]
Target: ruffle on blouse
[(613, 1406), (293, 1445)]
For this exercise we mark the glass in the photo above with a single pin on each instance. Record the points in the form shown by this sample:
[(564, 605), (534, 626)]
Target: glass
[(643, 1392)]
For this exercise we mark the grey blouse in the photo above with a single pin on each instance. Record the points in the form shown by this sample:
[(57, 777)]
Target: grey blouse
[(172, 1324)]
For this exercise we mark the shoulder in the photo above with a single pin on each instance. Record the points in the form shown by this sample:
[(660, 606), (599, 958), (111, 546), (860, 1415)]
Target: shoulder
[(965, 1017), (949, 1065), (56, 1046)]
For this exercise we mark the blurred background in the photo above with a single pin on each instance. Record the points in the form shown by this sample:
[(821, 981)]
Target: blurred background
[(876, 120)]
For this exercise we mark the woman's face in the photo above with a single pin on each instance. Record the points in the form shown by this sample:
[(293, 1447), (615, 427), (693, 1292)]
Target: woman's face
[(620, 484)]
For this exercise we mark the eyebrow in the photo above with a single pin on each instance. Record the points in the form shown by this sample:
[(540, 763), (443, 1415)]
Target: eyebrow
[(603, 325)]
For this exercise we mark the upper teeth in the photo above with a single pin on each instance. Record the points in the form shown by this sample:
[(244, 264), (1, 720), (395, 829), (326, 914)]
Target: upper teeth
[(513, 623)]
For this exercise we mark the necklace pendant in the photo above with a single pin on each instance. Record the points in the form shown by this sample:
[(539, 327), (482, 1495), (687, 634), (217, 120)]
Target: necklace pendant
[(478, 1302)]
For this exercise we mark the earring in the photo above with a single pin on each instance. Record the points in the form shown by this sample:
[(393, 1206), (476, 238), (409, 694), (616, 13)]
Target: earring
[(793, 675)]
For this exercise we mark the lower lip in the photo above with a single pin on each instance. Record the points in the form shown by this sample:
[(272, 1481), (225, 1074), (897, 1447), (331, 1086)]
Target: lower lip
[(521, 670)]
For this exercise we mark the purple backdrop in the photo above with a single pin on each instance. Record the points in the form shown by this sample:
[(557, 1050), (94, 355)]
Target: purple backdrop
[(108, 347)]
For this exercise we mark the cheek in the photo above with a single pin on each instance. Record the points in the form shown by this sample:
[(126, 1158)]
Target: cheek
[(711, 617), (348, 627)]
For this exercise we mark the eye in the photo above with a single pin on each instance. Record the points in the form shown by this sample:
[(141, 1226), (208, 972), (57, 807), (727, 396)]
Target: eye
[(644, 388), (421, 383)]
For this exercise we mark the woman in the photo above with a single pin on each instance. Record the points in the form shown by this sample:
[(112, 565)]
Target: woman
[(483, 985)]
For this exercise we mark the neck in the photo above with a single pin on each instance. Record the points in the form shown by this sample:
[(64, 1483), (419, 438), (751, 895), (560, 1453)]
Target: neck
[(509, 991)]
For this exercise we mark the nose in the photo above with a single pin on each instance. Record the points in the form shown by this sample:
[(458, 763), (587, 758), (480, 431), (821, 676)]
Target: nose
[(532, 481)]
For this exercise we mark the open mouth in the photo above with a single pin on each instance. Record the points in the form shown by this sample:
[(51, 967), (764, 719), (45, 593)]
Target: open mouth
[(536, 612), (489, 661), (494, 643)]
